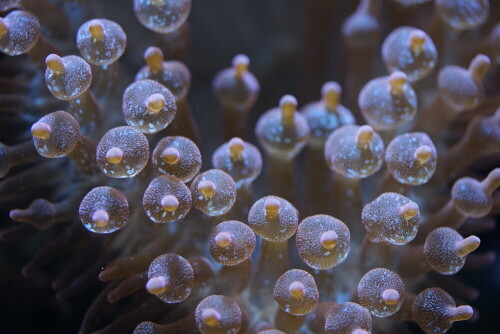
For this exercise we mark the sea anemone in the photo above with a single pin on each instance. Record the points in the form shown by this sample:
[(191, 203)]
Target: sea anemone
[(132, 203)]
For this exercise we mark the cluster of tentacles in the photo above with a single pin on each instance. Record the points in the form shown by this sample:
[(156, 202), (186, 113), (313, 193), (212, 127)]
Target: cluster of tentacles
[(371, 202)]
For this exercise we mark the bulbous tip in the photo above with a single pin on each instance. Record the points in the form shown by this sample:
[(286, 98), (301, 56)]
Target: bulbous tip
[(13, 214), (41, 130), (297, 290), (170, 155), (240, 63), (479, 66), (359, 331), (236, 146), (492, 181), (240, 59), (55, 64), (330, 92), (468, 245), (154, 58), (211, 317), (390, 297), (423, 153), (329, 240), (460, 313), (364, 136), (223, 239), (397, 80), (417, 40), (169, 203), (207, 188), (288, 101), (409, 210), (157, 285), (157, 2), (288, 106), (272, 207), (331, 87), (155, 103), (114, 155), (100, 218), (96, 29)]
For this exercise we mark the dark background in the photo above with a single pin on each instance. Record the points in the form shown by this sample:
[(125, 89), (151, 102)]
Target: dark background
[(294, 46)]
